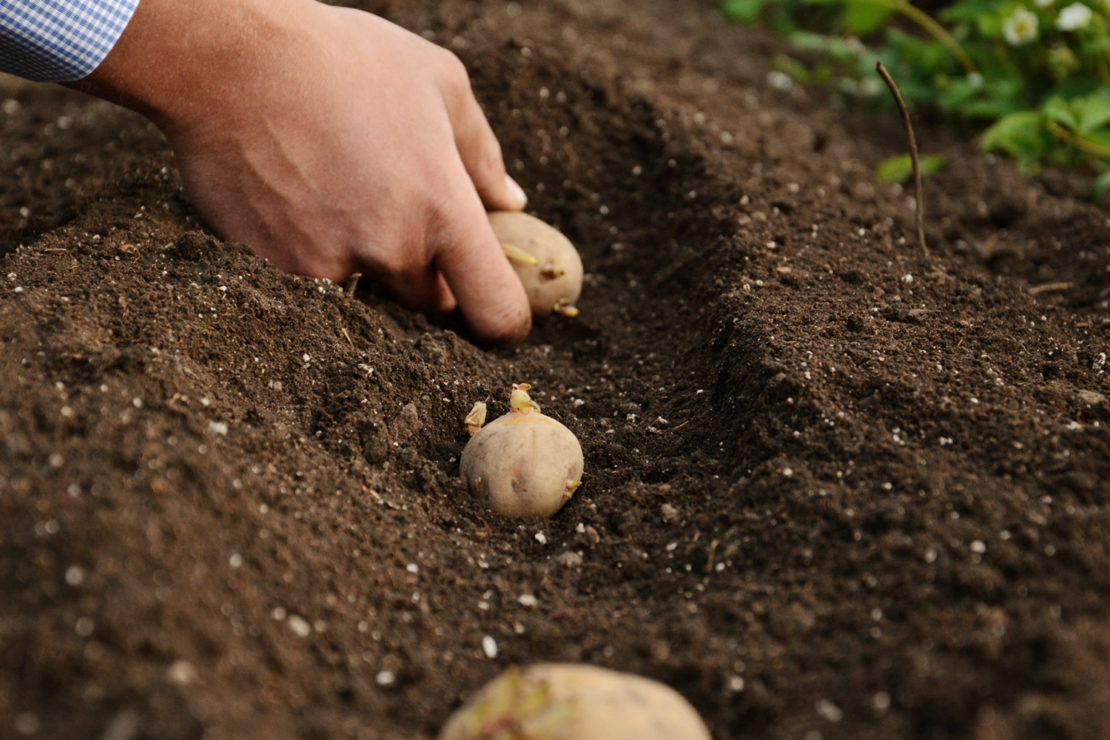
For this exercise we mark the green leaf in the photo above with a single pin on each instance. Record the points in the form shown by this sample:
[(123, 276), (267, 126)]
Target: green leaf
[(743, 10), (900, 168), (969, 10), (1057, 109), (922, 56), (1091, 113), (1021, 135), (1099, 45), (957, 94), (1100, 137), (1101, 186), (991, 108), (863, 17), (990, 25)]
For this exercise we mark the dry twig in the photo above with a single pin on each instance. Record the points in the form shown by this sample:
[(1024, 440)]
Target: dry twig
[(920, 209), (1050, 288), (353, 283)]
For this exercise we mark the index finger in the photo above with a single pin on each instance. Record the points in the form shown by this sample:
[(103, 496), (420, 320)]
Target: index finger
[(470, 257)]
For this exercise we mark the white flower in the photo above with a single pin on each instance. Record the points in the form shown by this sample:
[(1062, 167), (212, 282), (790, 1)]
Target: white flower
[(975, 80), (1020, 28), (1075, 16)]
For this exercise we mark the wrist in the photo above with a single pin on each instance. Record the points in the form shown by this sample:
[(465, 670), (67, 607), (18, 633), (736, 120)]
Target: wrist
[(179, 61)]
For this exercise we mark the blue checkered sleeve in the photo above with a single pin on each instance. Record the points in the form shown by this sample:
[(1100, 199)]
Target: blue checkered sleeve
[(59, 40)]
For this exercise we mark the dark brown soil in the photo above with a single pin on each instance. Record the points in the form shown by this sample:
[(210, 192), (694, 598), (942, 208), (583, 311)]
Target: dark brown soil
[(835, 487)]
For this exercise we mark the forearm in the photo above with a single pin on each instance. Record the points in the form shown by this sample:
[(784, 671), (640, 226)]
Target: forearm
[(177, 59)]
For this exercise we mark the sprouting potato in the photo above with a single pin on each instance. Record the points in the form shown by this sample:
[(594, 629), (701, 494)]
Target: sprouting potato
[(545, 260), (565, 701), (525, 464)]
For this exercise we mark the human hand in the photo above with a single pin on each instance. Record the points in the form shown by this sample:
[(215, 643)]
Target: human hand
[(330, 141)]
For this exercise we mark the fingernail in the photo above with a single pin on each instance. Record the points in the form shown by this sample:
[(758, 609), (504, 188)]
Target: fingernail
[(516, 193)]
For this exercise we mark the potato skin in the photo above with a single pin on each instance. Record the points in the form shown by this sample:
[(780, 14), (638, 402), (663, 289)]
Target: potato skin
[(521, 464), (549, 247), (567, 701)]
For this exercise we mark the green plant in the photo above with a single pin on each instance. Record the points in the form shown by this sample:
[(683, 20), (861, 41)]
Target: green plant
[(1035, 74)]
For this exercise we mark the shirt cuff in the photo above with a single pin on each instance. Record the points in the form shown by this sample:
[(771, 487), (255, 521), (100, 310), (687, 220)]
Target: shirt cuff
[(59, 40)]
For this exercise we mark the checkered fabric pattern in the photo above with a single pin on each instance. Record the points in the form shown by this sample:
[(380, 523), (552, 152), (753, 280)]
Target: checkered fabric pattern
[(59, 40)]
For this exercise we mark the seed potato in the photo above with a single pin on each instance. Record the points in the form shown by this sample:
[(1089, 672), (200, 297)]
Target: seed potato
[(564, 701), (546, 262), (524, 464)]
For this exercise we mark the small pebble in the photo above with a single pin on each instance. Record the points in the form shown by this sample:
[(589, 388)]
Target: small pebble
[(182, 673), (84, 627), (569, 559), (299, 626), (829, 711)]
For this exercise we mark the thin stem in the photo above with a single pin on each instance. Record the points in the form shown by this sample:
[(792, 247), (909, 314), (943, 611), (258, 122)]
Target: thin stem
[(918, 188), (1078, 141), (352, 283)]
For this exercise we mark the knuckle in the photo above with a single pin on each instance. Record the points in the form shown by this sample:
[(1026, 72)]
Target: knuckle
[(443, 208), (453, 72)]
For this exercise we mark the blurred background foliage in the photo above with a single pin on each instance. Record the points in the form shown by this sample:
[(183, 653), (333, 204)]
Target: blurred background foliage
[(1030, 77)]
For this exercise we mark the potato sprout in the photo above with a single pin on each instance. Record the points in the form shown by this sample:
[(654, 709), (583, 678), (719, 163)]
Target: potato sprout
[(525, 464), (476, 418)]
